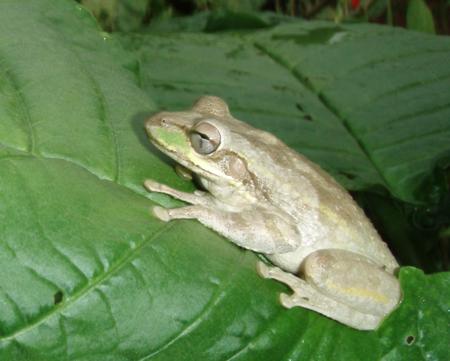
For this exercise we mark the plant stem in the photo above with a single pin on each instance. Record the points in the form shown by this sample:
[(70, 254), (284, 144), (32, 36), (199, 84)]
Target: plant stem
[(389, 19)]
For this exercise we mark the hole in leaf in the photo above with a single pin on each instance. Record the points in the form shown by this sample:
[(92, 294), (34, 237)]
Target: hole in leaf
[(58, 297), (410, 340), (306, 116)]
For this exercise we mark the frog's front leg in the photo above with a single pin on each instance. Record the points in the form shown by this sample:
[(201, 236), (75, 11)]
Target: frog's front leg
[(198, 197), (251, 229), (342, 285)]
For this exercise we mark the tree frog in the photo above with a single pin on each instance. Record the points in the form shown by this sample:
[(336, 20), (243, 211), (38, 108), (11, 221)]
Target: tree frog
[(263, 196)]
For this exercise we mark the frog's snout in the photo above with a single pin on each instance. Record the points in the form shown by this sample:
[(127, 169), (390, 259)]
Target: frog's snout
[(157, 121)]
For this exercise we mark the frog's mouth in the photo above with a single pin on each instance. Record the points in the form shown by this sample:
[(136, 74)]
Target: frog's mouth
[(174, 153)]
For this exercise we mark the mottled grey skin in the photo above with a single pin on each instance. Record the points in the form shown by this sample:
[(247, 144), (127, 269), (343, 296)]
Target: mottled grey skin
[(265, 197)]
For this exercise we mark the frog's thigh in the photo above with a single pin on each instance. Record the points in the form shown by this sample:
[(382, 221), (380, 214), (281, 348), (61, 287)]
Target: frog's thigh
[(353, 280)]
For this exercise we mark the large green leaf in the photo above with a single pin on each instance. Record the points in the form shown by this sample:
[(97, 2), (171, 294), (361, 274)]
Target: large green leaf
[(87, 273), (369, 103)]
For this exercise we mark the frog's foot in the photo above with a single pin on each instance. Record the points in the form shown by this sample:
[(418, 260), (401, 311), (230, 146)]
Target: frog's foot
[(277, 274), (301, 297), (192, 198), (307, 296), (302, 291)]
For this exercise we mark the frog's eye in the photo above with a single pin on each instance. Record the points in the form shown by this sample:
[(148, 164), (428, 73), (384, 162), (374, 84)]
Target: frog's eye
[(205, 138)]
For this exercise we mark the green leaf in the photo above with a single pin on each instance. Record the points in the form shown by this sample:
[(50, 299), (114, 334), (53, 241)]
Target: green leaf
[(368, 103), (87, 273), (446, 232), (235, 5), (419, 17), (228, 20), (217, 21), (131, 14), (426, 338)]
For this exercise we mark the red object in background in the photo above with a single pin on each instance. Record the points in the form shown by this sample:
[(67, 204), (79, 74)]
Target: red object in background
[(355, 4)]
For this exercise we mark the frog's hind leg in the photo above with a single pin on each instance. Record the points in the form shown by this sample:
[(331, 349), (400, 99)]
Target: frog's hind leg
[(353, 280), (309, 297), (302, 298)]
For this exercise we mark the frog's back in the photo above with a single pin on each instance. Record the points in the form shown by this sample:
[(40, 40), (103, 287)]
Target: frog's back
[(326, 215)]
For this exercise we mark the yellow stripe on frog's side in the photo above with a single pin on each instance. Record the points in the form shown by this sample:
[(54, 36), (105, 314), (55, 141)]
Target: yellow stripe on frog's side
[(361, 292)]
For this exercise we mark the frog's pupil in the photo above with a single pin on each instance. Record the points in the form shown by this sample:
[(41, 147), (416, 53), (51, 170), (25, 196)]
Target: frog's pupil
[(202, 143)]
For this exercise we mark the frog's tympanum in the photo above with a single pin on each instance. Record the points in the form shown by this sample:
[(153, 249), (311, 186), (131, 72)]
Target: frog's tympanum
[(265, 197)]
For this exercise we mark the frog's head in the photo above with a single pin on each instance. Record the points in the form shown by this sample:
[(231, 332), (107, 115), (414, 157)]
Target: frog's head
[(207, 140)]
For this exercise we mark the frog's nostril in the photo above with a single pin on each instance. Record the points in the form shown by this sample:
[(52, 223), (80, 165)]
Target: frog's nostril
[(164, 121)]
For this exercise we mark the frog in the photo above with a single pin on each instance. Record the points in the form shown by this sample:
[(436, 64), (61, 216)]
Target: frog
[(265, 197)]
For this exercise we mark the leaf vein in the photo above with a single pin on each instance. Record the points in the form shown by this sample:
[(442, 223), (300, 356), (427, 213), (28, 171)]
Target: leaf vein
[(23, 108), (215, 300), (427, 112), (406, 140), (102, 108), (14, 305), (385, 59), (104, 298), (254, 338), (405, 87)]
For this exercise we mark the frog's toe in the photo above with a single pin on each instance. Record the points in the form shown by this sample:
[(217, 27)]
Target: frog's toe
[(286, 300), (152, 185), (161, 213), (262, 269)]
